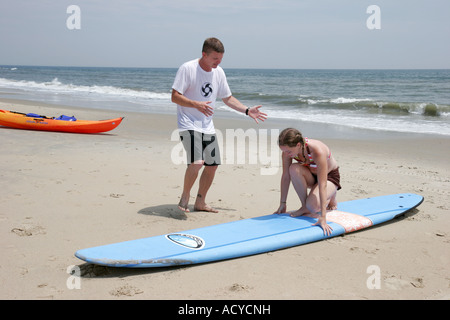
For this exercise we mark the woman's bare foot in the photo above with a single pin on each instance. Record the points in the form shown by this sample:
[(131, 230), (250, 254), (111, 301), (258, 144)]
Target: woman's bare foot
[(300, 212), (332, 205)]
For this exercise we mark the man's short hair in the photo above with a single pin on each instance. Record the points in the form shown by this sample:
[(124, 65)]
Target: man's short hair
[(213, 44)]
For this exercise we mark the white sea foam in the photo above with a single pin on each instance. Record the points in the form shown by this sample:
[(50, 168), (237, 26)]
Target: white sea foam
[(57, 87), (360, 120), (340, 100), (348, 100)]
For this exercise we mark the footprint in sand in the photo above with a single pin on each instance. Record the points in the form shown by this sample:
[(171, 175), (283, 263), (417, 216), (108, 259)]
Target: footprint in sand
[(236, 287), (126, 290), (394, 283), (116, 195), (28, 231)]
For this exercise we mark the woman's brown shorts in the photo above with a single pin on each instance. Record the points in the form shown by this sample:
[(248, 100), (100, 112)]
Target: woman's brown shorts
[(334, 177)]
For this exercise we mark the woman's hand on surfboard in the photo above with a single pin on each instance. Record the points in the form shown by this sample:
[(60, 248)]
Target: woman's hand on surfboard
[(322, 222)]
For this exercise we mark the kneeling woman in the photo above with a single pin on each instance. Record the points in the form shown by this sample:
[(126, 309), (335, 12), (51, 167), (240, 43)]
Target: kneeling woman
[(315, 168)]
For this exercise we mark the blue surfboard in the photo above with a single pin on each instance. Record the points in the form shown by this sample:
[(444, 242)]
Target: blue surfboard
[(247, 237)]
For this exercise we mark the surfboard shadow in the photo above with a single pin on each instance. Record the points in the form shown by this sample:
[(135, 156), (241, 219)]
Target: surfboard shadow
[(88, 270), (170, 211), (407, 215)]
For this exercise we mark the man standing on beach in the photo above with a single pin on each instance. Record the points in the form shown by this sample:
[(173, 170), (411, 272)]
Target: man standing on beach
[(197, 85)]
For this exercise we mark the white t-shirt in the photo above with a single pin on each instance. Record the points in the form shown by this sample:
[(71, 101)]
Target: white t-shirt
[(199, 85)]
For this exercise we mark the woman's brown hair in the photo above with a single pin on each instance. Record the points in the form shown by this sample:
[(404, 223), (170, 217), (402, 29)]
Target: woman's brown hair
[(290, 137)]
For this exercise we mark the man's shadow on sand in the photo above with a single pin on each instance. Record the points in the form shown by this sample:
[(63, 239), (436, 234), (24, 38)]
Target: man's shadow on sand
[(170, 211)]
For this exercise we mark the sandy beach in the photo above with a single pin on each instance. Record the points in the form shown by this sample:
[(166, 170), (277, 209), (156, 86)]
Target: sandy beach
[(64, 192)]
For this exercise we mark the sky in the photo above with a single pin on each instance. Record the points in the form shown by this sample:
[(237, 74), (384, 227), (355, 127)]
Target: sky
[(292, 34)]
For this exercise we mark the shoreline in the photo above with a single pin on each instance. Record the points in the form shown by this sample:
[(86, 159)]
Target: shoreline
[(64, 192), (165, 125), (320, 130)]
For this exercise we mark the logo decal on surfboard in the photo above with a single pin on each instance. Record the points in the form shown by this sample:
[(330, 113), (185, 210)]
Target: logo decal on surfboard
[(186, 240)]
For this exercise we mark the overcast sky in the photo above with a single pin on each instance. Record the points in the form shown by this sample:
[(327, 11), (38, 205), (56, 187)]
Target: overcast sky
[(296, 34)]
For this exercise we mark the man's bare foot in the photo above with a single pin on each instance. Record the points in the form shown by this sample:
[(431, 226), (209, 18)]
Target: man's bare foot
[(183, 206), (200, 205), (205, 208)]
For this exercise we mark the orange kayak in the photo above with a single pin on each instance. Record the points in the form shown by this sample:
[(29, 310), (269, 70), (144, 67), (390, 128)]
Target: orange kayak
[(35, 122)]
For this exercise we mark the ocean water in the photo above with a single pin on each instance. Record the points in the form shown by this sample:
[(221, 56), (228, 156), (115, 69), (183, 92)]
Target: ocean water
[(411, 101)]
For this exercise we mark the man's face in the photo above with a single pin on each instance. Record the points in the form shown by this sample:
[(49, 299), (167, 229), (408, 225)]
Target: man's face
[(211, 60)]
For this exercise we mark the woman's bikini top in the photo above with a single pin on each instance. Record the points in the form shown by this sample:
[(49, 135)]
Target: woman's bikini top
[(310, 163)]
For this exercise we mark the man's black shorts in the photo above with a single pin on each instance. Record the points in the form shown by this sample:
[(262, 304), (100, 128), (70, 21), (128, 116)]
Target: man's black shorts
[(201, 146)]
